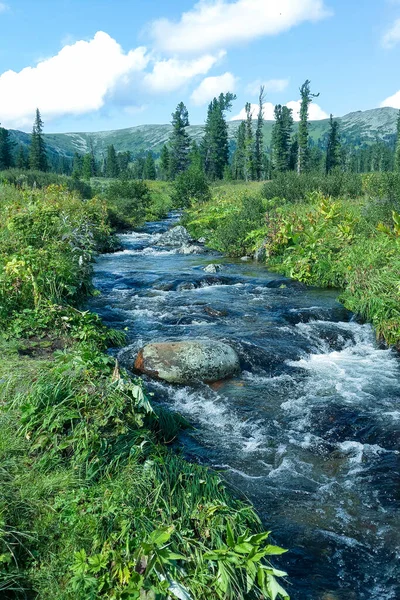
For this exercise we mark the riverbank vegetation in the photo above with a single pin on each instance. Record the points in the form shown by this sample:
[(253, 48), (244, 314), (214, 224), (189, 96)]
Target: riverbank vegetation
[(321, 235), (93, 504)]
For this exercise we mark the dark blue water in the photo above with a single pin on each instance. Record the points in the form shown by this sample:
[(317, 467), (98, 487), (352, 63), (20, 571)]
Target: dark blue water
[(310, 432)]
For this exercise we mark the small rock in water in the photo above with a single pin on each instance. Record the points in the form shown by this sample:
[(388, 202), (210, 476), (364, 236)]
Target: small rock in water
[(177, 236), (185, 286), (188, 361), (245, 258), (191, 249), (202, 240), (213, 268)]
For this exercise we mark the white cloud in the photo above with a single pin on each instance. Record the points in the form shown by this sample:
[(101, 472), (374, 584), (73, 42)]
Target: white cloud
[(315, 111), (270, 86), (3, 7), (393, 101), (75, 81), (171, 74), (211, 87), (219, 23), (392, 36)]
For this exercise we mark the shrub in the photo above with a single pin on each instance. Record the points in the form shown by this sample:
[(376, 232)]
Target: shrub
[(40, 180), (127, 202), (190, 187), (294, 188)]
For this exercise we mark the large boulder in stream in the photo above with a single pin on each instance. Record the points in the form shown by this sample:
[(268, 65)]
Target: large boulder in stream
[(177, 236), (188, 361)]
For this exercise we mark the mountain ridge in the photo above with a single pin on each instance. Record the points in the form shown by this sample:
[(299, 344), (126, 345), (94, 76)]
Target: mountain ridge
[(358, 128)]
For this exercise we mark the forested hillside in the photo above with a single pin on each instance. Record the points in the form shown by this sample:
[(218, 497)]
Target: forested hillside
[(357, 129)]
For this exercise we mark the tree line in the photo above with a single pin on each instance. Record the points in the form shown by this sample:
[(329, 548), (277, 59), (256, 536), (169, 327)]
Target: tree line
[(247, 158)]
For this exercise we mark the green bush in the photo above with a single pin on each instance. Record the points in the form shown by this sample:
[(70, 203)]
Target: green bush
[(190, 187), (294, 188), (127, 202), (40, 180), (48, 239)]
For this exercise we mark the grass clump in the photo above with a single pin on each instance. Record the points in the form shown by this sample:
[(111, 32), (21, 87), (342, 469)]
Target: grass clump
[(105, 510)]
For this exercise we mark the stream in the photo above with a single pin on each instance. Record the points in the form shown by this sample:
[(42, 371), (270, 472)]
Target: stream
[(310, 430)]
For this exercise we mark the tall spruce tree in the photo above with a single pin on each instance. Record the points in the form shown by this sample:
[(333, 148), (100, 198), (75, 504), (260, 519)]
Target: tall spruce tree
[(239, 157), (179, 141), (22, 161), (5, 149), (303, 135), (215, 146), (164, 163), (149, 171), (259, 138), (88, 169), (37, 154), (112, 167), (397, 152), (249, 145), (77, 166), (334, 147), (281, 138)]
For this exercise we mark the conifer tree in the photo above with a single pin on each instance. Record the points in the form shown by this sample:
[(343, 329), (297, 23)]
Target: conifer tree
[(195, 156), (138, 167), (281, 138), (259, 139), (5, 149), (164, 163), (149, 171), (123, 159), (303, 136), (87, 166), (215, 146), (112, 168), (37, 154), (397, 153), (249, 145), (239, 157), (179, 141), (77, 166), (334, 148), (22, 161)]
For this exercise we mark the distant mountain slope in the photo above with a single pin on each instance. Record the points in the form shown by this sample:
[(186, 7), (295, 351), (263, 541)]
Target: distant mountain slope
[(357, 128)]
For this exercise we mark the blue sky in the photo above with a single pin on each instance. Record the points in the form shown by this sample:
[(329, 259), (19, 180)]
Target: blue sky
[(106, 64)]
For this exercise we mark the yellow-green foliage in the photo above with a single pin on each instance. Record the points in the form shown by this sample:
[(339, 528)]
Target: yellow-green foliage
[(341, 244), (47, 242), (161, 201), (226, 220)]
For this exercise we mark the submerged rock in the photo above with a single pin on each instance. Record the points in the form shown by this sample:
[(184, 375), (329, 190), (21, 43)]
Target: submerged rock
[(213, 268), (188, 361), (177, 236)]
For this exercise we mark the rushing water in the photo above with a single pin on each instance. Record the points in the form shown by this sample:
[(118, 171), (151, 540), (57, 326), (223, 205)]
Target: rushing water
[(309, 431)]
